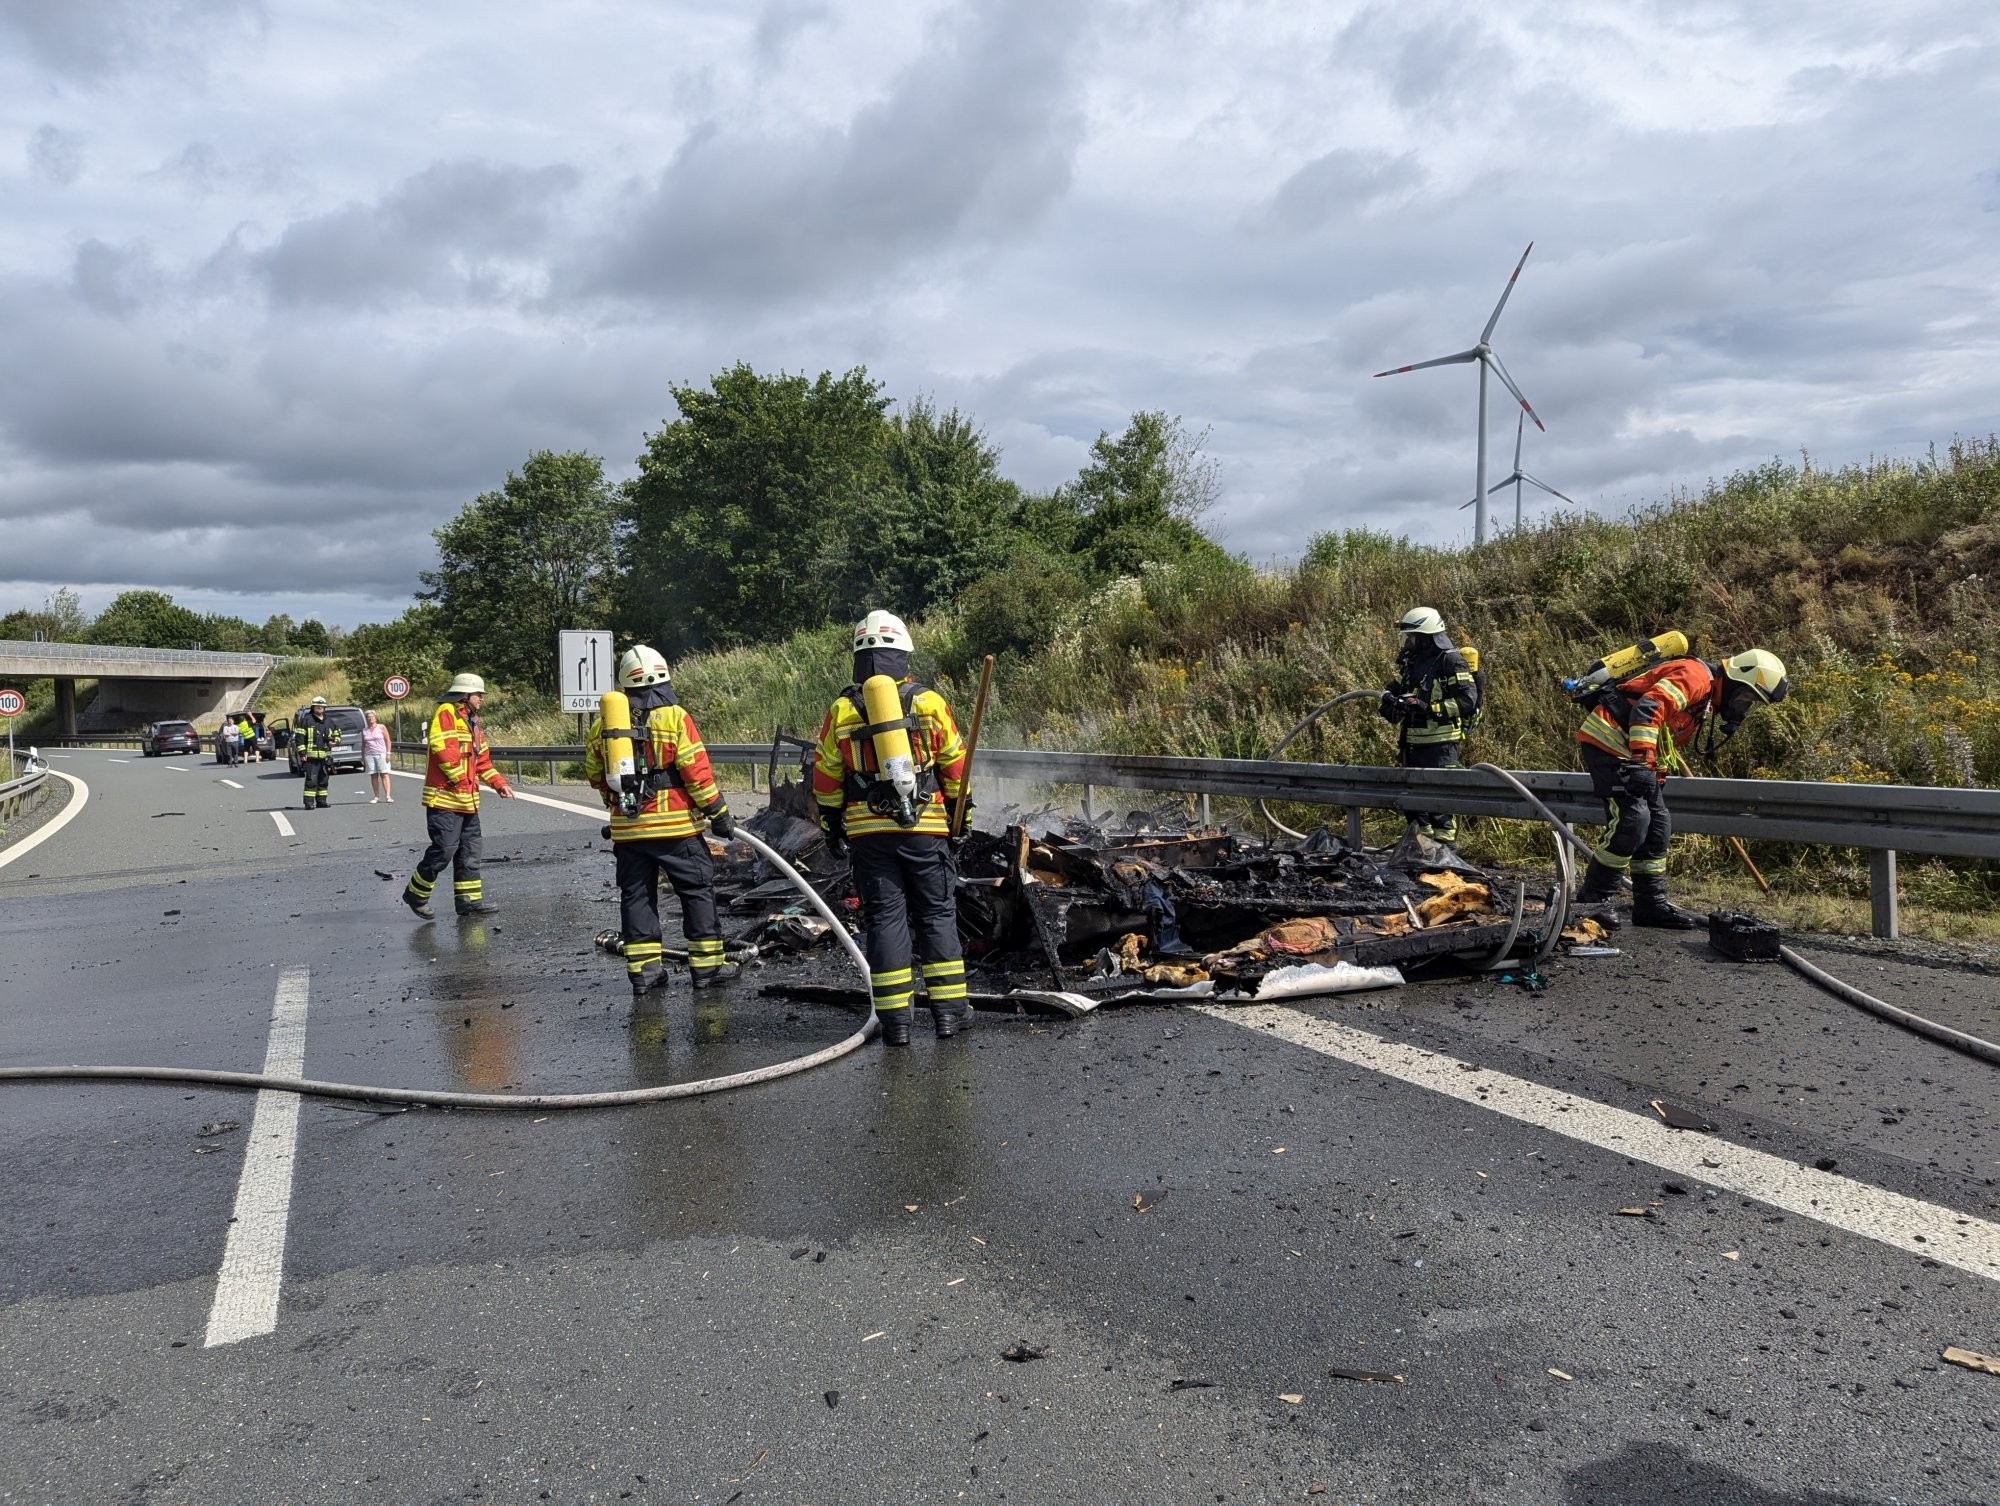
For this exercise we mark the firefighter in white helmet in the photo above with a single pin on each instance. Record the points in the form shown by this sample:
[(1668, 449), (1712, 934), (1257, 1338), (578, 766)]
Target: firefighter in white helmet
[(890, 765), (1432, 699), (460, 763), (657, 784)]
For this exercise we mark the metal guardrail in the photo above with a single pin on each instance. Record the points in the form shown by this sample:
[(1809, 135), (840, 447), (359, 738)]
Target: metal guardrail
[(14, 791), (17, 648)]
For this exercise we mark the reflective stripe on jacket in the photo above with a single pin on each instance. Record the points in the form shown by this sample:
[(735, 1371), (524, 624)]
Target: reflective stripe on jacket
[(934, 745), (669, 804), (459, 761), (1450, 695), (317, 739), (1648, 716)]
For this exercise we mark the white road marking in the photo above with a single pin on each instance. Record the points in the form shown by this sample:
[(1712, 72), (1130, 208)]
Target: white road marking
[(176, 768), (1903, 1223), (117, 760), (284, 826), (79, 798), (253, 1260), (596, 814), (232, 784)]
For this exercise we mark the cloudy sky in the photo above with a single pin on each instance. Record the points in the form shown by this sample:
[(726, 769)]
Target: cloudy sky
[(286, 282)]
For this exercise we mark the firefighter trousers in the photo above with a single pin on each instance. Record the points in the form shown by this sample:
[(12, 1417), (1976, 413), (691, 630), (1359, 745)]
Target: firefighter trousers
[(315, 782), (1441, 825), (908, 886), (691, 870), (456, 843), (1640, 827)]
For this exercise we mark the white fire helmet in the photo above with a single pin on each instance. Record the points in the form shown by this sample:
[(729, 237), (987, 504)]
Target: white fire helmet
[(881, 630), (639, 666)]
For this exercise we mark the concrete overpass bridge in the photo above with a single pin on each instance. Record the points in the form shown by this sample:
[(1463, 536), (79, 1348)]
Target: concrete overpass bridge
[(134, 685)]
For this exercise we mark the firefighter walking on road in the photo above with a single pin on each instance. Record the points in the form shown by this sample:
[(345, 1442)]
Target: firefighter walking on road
[(645, 757), (1431, 701), (459, 763), (889, 766), (318, 737), (1634, 734)]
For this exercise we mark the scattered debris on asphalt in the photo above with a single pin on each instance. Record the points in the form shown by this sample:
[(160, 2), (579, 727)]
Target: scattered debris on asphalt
[(218, 1127), (1372, 1377), (832, 1399), (1679, 1118), (1020, 1354), (389, 877), (1183, 1384), (1972, 1359)]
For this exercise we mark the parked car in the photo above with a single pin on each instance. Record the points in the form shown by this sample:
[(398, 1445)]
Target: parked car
[(170, 737), (262, 746), (346, 758)]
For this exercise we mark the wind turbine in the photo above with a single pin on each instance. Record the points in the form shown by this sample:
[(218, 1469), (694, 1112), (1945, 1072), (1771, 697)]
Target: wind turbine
[(1518, 477), (1485, 355)]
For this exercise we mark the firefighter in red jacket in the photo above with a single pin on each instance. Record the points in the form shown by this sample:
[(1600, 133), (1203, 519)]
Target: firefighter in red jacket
[(459, 764), (675, 789), (1632, 738), (899, 839)]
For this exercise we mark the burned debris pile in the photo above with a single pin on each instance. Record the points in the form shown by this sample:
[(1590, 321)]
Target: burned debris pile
[(1054, 902)]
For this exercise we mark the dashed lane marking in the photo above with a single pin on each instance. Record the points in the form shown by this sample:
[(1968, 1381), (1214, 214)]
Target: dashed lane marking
[(1903, 1223), (284, 826), (117, 760), (253, 1260), (79, 798), (232, 784)]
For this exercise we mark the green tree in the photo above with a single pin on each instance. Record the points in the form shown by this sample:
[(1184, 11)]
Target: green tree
[(1139, 499), (737, 520), (60, 620), (310, 637), (275, 637), (227, 635), (414, 646), (146, 619), (942, 517), (519, 565)]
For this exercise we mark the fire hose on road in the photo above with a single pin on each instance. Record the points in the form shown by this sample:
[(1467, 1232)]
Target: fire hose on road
[(443, 1099)]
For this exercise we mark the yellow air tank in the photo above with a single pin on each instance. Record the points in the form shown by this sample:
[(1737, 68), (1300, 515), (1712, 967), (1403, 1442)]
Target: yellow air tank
[(1628, 661), (621, 770), (898, 768)]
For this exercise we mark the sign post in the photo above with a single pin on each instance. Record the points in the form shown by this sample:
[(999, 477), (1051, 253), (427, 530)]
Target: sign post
[(395, 688), (12, 703), (584, 657)]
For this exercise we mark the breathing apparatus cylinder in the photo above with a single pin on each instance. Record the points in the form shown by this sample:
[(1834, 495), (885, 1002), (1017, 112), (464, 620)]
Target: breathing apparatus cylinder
[(621, 769), (1625, 663), (893, 758)]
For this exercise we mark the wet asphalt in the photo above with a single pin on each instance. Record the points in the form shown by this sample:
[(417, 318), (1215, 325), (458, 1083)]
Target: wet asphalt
[(802, 1292)]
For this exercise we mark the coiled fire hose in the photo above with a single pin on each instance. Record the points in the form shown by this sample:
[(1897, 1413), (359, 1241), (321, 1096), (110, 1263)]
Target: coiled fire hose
[(430, 1098)]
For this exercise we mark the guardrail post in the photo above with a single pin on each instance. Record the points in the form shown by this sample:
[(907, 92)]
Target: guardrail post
[(1202, 817), (1086, 805), (1354, 827), (552, 771), (1883, 919)]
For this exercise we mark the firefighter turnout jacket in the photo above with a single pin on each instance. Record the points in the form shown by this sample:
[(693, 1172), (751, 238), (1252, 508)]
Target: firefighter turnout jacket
[(679, 785), (317, 739), (1649, 716), (845, 769), (460, 761), (1443, 682)]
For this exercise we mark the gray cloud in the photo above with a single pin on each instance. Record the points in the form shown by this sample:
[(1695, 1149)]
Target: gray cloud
[(55, 155), (780, 24), (1339, 184), (90, 39), (971, 144)]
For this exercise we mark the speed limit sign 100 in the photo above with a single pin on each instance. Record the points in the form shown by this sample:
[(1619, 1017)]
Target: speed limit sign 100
[(395, 687), (12, 703)]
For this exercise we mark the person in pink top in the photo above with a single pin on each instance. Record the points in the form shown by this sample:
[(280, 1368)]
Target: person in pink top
[(375, 758)]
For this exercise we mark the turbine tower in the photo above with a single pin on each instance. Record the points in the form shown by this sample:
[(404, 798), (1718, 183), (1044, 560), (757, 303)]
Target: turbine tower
[(1486, 356), (1515, 480)]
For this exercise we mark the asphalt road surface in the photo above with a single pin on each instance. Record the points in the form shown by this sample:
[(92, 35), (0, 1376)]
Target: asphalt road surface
[(804, 1292)]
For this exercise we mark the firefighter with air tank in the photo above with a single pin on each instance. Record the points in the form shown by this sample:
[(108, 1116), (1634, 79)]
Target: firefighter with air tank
[(1647, 704), (889, 766), (1432, 700), (645, 757)]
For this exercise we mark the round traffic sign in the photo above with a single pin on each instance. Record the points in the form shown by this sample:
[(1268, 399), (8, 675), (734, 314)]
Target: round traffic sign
[(395, 687), (12, 703)]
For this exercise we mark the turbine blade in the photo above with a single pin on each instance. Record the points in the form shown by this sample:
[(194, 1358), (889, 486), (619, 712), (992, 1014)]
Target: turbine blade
[(1502, 486), (1549, 489), (1520, 426), (1501, 372), (1462, 356), (1487, 333)]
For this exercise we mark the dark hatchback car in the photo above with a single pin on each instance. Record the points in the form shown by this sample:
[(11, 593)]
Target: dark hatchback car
[(170, 737), (346, 758)]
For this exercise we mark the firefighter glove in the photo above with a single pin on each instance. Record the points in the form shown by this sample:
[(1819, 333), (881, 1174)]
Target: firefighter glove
[(1640, 782), (722, 823), (1391, 708)]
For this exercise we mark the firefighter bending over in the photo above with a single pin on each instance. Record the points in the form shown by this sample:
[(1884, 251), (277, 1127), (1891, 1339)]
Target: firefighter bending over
[(647, 760), (890, 765), (459, 763), (1634, 734), (1432, 699)]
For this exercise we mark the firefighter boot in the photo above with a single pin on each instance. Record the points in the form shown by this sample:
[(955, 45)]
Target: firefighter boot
[(478, 907), (650, 979), (895, 1026), (1650, 906), (951, 1017), (419, 906), (1601, 883), (709, 977)]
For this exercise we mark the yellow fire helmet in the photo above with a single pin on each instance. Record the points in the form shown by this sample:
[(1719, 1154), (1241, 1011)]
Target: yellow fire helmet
[(1762, 670)]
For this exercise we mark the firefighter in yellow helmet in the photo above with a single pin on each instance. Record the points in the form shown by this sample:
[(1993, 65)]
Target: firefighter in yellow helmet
[(658, 793), (889, 766), (460, 763), (1632, 737)]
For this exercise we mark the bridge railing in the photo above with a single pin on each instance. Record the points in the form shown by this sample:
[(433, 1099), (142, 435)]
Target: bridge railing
[(44, 659), (1882, 819)]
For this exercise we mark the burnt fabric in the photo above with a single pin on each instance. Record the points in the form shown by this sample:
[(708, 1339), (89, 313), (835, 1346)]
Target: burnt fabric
[(907, 885), (691, 870)]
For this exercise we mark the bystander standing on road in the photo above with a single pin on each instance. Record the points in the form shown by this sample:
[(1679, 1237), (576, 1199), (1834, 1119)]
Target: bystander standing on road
[(375, 759), (231, 741)]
